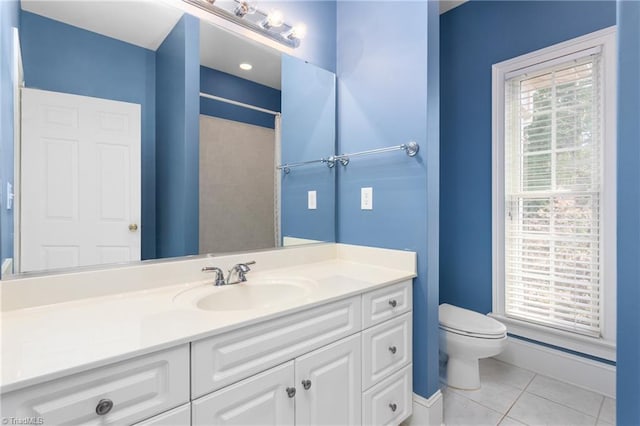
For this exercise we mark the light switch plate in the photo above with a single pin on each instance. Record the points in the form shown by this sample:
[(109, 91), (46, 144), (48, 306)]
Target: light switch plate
[(312, 200), (366, 198)]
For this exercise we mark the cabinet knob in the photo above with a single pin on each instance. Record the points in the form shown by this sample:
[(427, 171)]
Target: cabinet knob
[(393, 303), (133, 227), (306, 384), (393, 407), (291, 392), (393, 349), (104, 406)]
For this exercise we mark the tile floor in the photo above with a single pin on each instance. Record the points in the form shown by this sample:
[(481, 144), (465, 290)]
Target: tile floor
[(514, 396)]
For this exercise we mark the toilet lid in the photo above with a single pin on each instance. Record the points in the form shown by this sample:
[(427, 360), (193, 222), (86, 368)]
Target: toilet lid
[(469, 322)]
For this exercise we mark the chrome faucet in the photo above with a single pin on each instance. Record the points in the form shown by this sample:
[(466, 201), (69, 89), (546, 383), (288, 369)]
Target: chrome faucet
[(240, 271), (219, 274)]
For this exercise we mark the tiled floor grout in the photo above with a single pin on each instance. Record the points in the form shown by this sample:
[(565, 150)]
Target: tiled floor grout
[(524, 390), (600, 410)]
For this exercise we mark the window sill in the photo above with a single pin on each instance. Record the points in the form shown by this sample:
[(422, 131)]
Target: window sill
[(596, 347)]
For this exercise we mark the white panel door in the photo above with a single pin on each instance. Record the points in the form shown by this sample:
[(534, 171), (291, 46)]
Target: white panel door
[(80, 169), (328, 383), (265, 399)]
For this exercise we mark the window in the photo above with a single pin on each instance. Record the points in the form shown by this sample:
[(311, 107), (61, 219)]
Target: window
[(554, 193)]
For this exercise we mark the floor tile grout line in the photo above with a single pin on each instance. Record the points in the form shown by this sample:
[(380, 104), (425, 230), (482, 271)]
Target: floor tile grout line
[(561, 404), (600, 410), (558, 402), (520, 395), (521, 391)]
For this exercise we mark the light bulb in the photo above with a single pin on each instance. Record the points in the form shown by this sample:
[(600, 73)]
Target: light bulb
[(246, 66), (244, 8), (299, 32), (274, 19)]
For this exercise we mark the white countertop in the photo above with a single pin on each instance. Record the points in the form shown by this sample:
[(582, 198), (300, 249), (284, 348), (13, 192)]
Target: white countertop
[(46, 342)]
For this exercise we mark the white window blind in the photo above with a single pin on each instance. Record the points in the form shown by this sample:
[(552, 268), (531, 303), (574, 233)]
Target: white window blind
[(553, 184)]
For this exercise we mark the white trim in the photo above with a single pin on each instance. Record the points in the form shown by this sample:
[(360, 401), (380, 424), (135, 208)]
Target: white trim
[(576, 342), (18, 84), (585, 373), (606, 40), (426, 412)]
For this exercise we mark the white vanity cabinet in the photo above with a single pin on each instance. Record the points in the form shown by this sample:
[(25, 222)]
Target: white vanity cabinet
[(321, 387), (346, 362)]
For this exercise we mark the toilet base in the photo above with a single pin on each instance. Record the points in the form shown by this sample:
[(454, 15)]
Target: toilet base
[(463, 373)]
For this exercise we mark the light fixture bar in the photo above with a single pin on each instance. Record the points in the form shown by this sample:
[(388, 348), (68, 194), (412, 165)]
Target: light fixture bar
[(278, 34)]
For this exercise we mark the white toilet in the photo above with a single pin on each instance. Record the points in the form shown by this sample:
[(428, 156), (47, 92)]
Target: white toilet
[(465, 337)]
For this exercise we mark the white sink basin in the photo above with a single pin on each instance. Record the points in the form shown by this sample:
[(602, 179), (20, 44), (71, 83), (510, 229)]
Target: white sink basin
[(253, 294)]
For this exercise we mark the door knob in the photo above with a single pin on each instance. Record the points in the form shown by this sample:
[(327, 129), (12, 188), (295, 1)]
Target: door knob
[(133, 227)]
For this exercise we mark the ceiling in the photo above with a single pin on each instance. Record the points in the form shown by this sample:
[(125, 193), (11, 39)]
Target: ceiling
[(146, 23)]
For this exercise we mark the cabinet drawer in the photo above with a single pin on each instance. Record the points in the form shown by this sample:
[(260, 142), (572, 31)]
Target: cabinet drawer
[(238, 354), (389, 402), (138, 389), (386, 303), (259, 400), (180, 416), (385, 348)]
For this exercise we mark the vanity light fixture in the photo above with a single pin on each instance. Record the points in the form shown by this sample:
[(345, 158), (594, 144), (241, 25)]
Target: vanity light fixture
[(274, 19), (246, 66), (244, 8), (246, 14), (297, 32)]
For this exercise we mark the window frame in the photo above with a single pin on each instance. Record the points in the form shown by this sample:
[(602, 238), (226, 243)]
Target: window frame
[(604, 346)]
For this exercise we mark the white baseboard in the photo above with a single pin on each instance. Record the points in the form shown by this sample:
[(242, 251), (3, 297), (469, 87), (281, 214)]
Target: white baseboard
[(426, 412), (583, 372)]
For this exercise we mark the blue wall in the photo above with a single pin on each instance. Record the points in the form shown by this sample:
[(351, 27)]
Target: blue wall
[(319, 46), (473, 37), (178, 138), (628, 373), (387, 66), (63, 58), (229, 86), (9, 18), (308, 133)]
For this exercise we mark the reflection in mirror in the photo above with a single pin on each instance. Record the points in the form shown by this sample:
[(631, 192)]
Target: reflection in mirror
[(125, 156)]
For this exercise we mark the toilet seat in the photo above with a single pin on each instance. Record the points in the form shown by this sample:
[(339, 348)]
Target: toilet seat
[(468, 323)]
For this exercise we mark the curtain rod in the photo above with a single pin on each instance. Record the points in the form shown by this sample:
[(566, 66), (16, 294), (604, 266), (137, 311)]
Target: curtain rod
[(240, 104)]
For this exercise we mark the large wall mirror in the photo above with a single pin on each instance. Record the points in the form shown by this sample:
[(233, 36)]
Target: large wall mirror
[(147, 133)]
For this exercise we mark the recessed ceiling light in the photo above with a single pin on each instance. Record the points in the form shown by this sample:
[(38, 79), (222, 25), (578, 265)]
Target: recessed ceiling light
[(245, 66)]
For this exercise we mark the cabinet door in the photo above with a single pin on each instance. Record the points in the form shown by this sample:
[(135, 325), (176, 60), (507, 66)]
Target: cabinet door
[(328, 383), (263, 399)]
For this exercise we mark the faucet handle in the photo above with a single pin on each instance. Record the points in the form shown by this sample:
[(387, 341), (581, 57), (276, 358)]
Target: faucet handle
[(244, 267), (219, 274), (240, 269)]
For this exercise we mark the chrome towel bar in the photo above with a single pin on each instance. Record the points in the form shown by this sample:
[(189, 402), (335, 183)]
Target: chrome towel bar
[(410, 148)]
